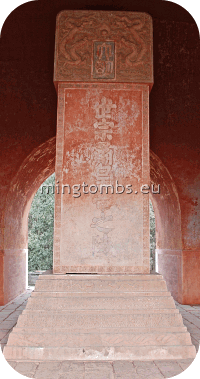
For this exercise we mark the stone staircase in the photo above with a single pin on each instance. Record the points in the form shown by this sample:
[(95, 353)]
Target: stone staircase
[(99, 317)]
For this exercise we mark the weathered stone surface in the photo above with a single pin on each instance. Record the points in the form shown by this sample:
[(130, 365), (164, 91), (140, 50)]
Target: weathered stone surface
[(99, 371), (12, 363), (48, 370), (98, 353), (26, 368), (100, 319), (3, 333), (147, 369), (121, 369), (169, 369), (72, 370), (101, 284), (142, 331), (102, 139), (124, 370), (84, 370), (101, 302), (106, 46), (102, 143), (91, 339), (185, 363)]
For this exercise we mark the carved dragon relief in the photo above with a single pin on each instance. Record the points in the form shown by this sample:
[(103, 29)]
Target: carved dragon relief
[(77, 36), (135, 42)]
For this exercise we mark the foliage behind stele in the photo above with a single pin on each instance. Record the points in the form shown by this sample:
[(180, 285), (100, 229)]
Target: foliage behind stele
[(40, 228)]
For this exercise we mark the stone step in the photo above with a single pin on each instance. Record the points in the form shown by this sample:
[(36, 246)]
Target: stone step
[(100, 319), (112, 277), (83, 312), (100, 302), (63, 294), (99, 353), (56, 329), (86, 340), (100, 283)]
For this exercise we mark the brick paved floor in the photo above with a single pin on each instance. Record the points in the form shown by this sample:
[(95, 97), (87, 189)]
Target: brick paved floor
[(97, 370)]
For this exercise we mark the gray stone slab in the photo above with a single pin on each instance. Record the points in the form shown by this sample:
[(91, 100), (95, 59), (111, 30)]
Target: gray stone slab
[(7, 324), (72, 370), (27, 368), (3, 333), (169, 368), (12, 363), (99, 370), (185, 363), (147, 369), (124, 370), (48, 370)]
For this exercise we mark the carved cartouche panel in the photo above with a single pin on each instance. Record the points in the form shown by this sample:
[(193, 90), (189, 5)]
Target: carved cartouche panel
[(103, 46)]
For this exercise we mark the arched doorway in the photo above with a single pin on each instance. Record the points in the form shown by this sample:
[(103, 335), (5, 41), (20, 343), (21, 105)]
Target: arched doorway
[(37, 167)]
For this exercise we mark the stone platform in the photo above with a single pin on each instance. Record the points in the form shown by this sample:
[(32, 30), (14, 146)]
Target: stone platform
[(99, 317)]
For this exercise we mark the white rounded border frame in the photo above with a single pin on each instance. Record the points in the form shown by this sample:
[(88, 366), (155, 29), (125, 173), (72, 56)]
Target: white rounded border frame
[(6, 7)]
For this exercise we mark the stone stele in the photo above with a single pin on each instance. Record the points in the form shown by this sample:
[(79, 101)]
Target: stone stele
[(116, 310), (103, 72)]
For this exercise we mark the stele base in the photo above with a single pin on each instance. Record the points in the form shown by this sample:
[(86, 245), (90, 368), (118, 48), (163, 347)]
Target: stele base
[(99, 317)]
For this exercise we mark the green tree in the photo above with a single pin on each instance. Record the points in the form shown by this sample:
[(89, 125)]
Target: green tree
[(40, 228)]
